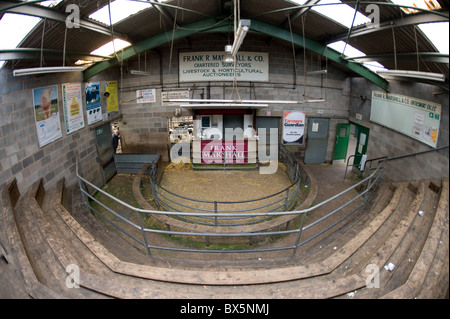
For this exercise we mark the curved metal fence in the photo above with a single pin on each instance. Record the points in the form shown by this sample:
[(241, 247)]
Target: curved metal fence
[(137, 225), (284, 200)]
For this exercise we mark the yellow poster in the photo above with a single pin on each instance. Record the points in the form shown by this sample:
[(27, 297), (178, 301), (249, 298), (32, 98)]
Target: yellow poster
[(112, 101)]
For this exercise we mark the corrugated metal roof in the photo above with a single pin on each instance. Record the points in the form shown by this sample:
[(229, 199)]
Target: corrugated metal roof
[(279, 13)]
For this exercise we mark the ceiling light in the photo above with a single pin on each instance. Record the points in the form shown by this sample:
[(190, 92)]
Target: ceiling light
[(228, 58), (317, 72), (244, 26), (45, 70), (137, 72), (413, 74)]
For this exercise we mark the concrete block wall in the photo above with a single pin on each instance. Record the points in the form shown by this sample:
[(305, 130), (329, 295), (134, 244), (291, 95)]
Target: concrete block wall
[(143, 125), (387, 142), (20, 155)]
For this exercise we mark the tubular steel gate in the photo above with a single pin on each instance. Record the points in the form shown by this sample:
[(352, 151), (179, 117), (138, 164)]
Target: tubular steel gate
[(226, 223)]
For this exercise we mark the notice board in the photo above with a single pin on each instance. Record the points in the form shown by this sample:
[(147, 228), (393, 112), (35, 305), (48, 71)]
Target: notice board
[(413, 117)]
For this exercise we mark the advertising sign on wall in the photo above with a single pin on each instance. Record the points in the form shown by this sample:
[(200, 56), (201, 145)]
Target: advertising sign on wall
[(208, 66), (112, 101), (72, 106), (413, 117), (146, 96), (46, 114), (293, 127), (93, 102)]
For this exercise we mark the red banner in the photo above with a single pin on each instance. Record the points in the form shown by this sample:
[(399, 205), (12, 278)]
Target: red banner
[(218, 152)]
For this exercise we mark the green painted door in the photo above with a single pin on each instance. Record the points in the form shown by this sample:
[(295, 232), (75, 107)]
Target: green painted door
[(361, 145), (342, 139)]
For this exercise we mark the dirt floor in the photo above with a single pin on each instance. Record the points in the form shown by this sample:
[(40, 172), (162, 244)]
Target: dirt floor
[(227, 187)]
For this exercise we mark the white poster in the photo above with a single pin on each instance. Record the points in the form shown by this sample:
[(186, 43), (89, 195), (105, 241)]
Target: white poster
[(174, 95), (73, 106), (208, 66), (93, 102), (146, 96), (293, 127), (46, 114)]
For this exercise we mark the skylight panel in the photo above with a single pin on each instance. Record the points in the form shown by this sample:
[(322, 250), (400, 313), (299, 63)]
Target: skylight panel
[(52, 3), (14, 27), (120, 10), (437, 33), (108, 48), (341, 13), (422, 4), (352, 52)]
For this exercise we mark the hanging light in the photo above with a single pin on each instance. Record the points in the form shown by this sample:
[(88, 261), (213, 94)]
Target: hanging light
[(228, 57), (244, 26)]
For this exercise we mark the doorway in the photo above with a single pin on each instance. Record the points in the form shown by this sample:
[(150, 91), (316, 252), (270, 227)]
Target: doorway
[(317, 141), (351, 143), (105, 151)]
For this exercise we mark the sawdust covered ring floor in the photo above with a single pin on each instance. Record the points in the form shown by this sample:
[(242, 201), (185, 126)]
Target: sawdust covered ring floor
[(222, 192)]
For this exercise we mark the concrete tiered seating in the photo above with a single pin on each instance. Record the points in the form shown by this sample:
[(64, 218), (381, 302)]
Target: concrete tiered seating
[(45, 237)]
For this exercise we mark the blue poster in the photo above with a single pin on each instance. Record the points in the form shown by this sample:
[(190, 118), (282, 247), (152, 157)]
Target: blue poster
[(93, 102)]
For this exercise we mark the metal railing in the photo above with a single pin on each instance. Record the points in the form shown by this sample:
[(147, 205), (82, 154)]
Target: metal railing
[(140, 231), (283, 200), (368, 165)]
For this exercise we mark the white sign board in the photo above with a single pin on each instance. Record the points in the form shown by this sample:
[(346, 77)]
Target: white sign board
[(208, 66), (146, 96), (173, 95), (73, 107), (413, 117), (46, 114)]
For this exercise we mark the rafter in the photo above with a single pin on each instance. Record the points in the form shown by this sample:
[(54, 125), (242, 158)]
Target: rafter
[(392, 23), (212, 25), (52, 14)]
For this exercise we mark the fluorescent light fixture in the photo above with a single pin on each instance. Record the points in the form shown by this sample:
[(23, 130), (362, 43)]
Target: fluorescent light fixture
[(223, 105), (137, 72), (246, 102), (45, 70), (244, 26), (108, 48), (120, 10), (317, 72), (412, 74)]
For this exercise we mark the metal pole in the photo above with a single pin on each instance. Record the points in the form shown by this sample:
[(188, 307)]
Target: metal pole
[(299, 234), (143, 233), (215, 211)]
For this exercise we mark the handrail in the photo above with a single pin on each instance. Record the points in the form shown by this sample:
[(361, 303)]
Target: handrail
[(371, 182), (387, 159)]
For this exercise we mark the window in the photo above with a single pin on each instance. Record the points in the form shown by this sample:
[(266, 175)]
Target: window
[(438, 34), (340, 13), (110, 47), (15, 27), (353, 52), (120, 10)]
